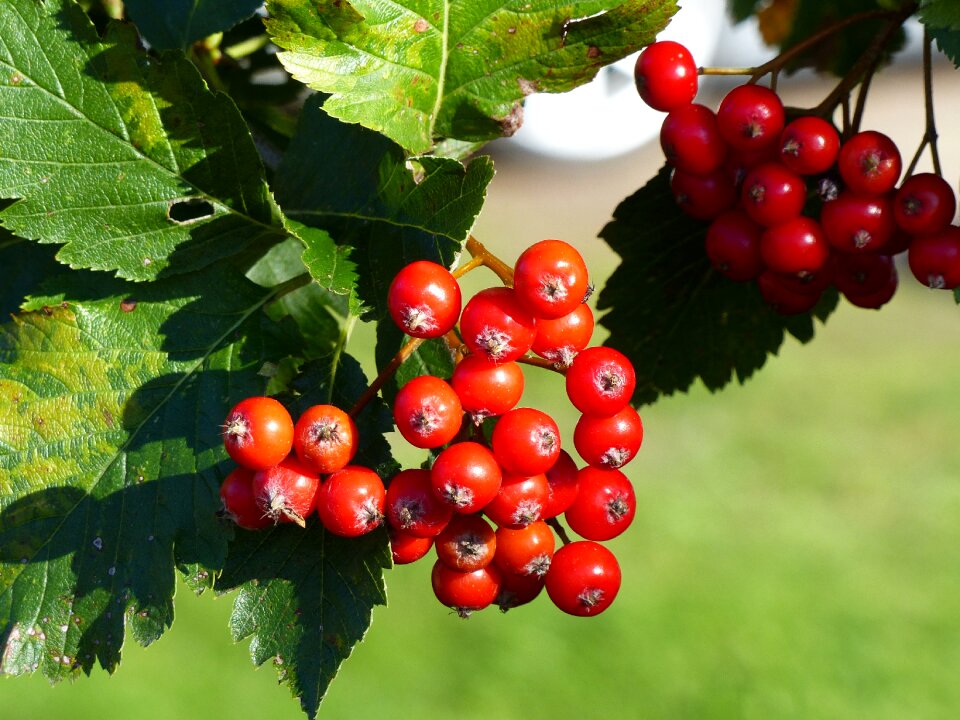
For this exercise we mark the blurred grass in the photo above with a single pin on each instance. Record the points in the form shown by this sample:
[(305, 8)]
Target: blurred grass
[(795, 555)]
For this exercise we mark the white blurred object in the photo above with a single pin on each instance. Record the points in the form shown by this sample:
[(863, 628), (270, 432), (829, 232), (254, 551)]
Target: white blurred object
[(606, 117)]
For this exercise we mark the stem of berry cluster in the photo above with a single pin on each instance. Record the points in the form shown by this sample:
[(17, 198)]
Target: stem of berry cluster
[(930, 130), (486, 258), (560, 530)]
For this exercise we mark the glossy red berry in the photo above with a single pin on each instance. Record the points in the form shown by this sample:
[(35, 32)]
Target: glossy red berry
[(412, 506), (703, 197), (497, 326), (424, 299), (427, 412), (600, 381), (772, 194), (935, 259), (751, 117), (467, 543), (466, 477), (924, 204), (796, 247), (561, 339), (866, 280), (584, 578), (239, 505), (858, 223), (781, 294), (258, 433), (519, 501), (485, 388), (526, 441), (809, 145), (525, 551), (465, 592), (287, 491), (550, 279), (407, 548), (609, 442), (691, 140), (562, 481), (605, 504), (869, 163), (517, 590), (733, 246), (666, 75), (325, 438), (351, 501)]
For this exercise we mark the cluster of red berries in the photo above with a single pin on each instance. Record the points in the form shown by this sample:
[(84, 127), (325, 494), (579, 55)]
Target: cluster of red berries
[(754, 176), (516, 476)]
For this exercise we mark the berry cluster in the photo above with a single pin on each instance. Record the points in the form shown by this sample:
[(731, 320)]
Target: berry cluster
[(492, 462), (790, 205)]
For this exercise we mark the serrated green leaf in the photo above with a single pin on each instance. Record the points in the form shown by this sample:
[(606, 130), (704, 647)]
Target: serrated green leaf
[(129, 161), (329, 264), (431, 69), (305, 596), (940, 14), (674, 316), (112, 396), (382, 212), (167, 24)]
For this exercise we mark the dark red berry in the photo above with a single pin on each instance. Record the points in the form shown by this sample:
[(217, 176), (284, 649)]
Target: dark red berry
[(869, 163), (924, 204), (733, 246), (750, 117), (666, 75), (691, 140), (809, 145)]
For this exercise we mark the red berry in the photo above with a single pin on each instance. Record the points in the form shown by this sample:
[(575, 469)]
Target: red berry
[(733, 246), (496, 325), (809, 145), (600, 381), (519, 501), (562, 480), (869, 163), (485, 388), (239, 505), (703, 197), (858, 223), (750, 117), (412, 507), (525, 551), (526, 441), (924, 204), (609, 442), (517, 590), (258, 433), (783, 296), (584, 578), (796, 247), (867, 281), (424, 300), (286, 492), (666, 75), (465, 592), (466, 477), (772, 194), (351, 501), (935, 259), (561, 339), (691, 140), (408, 548), (467, 543), (550, 279), (427, 412), (325, 438), (605, 504)]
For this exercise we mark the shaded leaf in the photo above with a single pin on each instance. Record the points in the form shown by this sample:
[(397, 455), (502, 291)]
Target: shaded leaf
[(432, 357), (421, 71), (674, 316), (130, 162), (177, 24), (112, 396), (942, 19), (25, 265)]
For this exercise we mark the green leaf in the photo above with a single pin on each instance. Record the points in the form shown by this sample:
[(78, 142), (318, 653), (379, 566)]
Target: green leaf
[(329, 264), (306, 596), (432, 357), (112, 396), (674, 316), (431, 69), (942, 20), (381, 212), (177, 24), (129, 161)]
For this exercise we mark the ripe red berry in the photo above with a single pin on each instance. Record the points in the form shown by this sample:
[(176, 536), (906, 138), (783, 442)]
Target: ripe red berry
[(258, 433), (517, 590), (703, 197), (783, 296), (863, 274), (605, 504), (407, 548), (424, 300), (519, 501), (496, 325), (924, 204), (562, 481), (239, 505), (550, 279), (465, 592), (526, 441), (858, 223), (412, 507), (525, 551), (351, 501), (561, 339), (750, 117), (325, 438), (600, 381), (691, 140), (809, 145), (466, 477), (772, 194), (584, 578), (287, 491), (427, 412), (609, 442), (796, 247), (485, 388), (666, 75), (466, 544), (935, 259), (869, 163), (733, 246)]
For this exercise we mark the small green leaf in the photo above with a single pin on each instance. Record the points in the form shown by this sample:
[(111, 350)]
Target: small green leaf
[(422, 71), (942, 20), (329, 264), (112, 396), (674, 316), (129, 161), (167, 24)]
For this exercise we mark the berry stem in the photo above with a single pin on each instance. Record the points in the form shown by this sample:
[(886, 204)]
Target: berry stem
[(560, 530), (479, 252), (930, 130), (396, 361), (541, 362)]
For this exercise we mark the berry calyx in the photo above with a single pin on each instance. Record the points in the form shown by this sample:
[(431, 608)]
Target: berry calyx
[(287, 491), (468, 543)]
